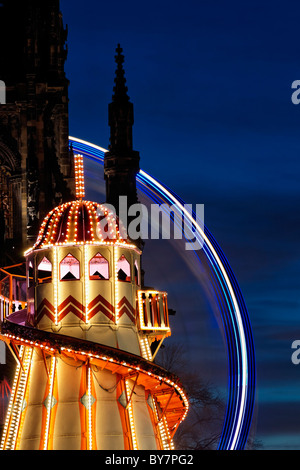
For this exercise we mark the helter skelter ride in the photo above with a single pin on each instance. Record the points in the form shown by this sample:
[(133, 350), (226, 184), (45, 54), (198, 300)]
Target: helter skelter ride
[(85, 378)]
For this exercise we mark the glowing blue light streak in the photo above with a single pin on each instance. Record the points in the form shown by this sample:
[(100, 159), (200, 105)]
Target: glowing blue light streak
[(240, 346)]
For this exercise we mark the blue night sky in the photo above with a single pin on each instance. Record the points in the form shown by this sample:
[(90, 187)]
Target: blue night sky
[(214, 120)]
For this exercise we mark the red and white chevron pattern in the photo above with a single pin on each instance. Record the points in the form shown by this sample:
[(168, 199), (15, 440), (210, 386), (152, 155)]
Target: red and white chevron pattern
[(45, 308), (71, 305), (126, 308), (101, 305), (98, 305)]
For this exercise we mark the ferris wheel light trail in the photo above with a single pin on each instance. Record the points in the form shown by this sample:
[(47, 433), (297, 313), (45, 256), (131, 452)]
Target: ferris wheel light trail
[(241, 355)]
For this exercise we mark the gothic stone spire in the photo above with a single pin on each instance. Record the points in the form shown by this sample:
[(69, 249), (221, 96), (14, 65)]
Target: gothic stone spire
[(121, 162)]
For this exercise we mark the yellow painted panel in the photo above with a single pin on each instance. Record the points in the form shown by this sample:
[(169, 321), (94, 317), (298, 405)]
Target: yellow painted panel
[(31, 431), (102, 335), (143, 424), (128, 340)]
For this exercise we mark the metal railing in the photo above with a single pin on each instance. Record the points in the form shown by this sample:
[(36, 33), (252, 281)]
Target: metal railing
[(12, 292), (153, 311)]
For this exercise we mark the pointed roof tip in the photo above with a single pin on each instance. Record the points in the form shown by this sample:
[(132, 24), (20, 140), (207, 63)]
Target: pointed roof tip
[(120, 89), (119, 58)]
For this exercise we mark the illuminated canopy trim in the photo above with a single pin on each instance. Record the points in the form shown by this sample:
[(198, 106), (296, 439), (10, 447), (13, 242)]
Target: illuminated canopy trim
[(80, 222), (79, 176)]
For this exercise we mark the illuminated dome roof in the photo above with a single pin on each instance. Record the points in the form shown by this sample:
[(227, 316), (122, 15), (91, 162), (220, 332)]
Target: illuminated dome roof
[(79, 222)]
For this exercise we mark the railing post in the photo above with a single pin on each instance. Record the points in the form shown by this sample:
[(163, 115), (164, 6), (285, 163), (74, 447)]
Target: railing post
[(10, 293), (148, 310), (153, 310)]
